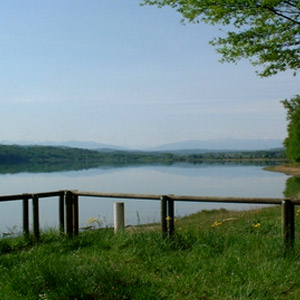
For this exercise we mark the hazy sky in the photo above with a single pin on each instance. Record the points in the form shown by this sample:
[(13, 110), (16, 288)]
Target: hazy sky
[(113, 72)]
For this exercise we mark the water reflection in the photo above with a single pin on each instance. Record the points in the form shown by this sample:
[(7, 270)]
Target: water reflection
[(181, 179)]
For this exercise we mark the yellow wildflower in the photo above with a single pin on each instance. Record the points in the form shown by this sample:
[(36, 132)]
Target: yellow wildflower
[(298, 212), (95, 222), (216, 224), (168, 218), (256, 225)]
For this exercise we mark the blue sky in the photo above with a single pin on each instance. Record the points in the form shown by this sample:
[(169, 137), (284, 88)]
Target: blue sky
[(113, 72)]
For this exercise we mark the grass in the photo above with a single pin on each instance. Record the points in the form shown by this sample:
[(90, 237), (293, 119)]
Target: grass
[(214, 255)]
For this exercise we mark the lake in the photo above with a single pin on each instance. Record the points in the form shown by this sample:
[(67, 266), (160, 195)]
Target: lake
[(182, 179)]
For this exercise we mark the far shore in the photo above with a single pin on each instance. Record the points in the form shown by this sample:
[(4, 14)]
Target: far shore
[(285, 168)]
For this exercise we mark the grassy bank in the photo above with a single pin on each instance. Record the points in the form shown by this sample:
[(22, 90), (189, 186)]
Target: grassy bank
[(214, 255)]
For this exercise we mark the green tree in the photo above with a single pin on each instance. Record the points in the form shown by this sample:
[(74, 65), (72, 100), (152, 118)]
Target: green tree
[(266, 32), (292, 142)]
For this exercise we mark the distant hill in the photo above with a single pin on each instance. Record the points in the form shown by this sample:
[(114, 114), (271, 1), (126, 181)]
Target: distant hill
[(89, 145), (221, 144), (72, 143), (14, 158)]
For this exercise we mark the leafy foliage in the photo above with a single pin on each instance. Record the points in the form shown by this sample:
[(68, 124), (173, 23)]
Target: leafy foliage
[(292, 142), (292, 188), (267, 32)]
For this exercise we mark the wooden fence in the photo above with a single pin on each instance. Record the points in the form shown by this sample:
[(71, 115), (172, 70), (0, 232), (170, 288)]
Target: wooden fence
[(68, 209)]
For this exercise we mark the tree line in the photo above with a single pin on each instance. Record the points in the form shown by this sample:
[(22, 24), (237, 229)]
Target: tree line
[(14, 159)]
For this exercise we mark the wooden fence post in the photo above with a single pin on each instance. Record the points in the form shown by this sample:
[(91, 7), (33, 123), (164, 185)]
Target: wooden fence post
[(36, 221), (75, 205), (164, 226), (288, 223), (25, 216), (170, 217), (61, 212), (69, 214)]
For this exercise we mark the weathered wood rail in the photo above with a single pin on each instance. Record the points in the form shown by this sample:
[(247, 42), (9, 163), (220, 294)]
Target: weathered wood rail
[(68, 209)]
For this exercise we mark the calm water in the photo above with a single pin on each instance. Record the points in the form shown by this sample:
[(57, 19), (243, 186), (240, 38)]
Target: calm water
[(185, 179)]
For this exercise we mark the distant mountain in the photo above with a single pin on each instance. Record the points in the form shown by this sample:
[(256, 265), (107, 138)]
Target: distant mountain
[(71, 143), (189, 146), (221, 144)]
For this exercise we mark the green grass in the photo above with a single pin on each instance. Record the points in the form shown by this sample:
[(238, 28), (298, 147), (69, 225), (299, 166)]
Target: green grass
[(239, 257)]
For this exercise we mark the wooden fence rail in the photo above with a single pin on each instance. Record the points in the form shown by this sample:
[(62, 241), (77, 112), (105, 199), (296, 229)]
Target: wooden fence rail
[(68, 209)]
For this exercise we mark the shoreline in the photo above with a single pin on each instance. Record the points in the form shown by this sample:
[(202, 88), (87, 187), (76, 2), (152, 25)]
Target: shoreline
[(286, 169)]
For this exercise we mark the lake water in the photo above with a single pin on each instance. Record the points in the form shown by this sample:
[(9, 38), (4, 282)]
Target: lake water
[(181, 179)]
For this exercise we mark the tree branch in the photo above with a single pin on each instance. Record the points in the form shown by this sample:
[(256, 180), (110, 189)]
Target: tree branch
[(290, 3), (276, 12)]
